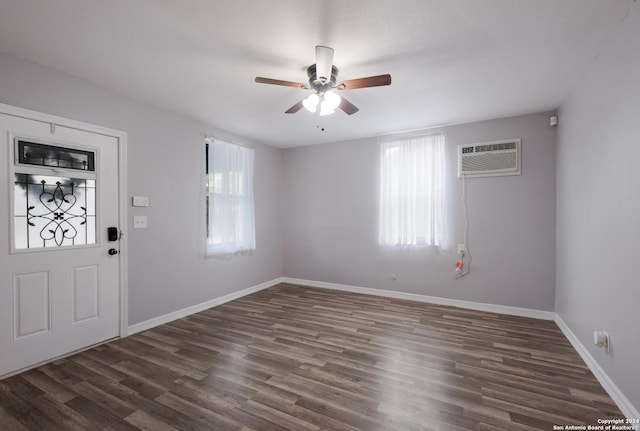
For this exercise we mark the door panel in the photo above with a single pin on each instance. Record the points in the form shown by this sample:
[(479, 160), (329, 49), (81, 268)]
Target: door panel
[(31, 303), (59, 287), (86, 292)]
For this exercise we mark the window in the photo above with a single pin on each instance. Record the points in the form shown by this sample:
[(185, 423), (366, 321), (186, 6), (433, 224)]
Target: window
[(229, 198), (53, 211), (33, 153), (412, 201)]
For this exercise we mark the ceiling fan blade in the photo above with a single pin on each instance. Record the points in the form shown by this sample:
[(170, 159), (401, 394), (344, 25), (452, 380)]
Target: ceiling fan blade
[(347, 106), (262, 80), (295, 108), (370, 81), (324, 62)]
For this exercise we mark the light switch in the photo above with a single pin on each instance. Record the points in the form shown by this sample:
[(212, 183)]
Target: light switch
[(141, 201), (139, 222)]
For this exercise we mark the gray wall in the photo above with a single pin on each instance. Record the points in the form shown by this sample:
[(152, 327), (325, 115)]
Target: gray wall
[(167, 267), (598, 207), (331, 205)]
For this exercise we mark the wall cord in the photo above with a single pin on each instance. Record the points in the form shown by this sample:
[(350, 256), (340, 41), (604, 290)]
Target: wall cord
[(465, 268)]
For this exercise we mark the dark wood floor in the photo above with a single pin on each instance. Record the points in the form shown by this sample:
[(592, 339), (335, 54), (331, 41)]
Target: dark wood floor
[(297, 358)]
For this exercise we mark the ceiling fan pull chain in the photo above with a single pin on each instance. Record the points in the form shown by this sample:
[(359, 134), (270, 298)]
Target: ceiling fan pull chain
[(318, 120)]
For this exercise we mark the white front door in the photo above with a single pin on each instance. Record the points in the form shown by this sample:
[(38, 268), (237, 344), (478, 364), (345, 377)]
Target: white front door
[(59, 284)]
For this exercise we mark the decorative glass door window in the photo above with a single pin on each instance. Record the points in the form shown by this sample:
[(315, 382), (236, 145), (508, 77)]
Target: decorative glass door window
[(53, 211)]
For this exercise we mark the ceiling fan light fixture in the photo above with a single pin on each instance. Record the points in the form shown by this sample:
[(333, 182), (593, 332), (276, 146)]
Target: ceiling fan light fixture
[(331, 99), (325, 110), (311, 102), (327, 102)]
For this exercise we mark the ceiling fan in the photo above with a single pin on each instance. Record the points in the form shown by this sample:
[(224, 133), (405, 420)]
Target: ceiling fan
[(323, 81)]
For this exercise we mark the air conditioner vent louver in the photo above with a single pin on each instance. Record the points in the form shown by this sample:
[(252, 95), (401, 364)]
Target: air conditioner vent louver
[(488, 162), (489, 159)]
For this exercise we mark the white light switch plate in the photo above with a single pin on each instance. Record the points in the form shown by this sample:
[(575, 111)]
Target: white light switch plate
[(140, 201), (139, 222)]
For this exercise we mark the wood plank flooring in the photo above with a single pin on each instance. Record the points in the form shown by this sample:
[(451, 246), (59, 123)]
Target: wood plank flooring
[(299, 358)]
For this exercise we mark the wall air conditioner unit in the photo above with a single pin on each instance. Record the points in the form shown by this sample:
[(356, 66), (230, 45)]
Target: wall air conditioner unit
[(488, 159)]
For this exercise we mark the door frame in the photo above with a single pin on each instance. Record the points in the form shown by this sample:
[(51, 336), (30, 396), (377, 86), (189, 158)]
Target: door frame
[(53, 121)]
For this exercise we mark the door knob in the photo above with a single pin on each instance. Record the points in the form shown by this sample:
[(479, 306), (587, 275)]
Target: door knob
[(112, 251)]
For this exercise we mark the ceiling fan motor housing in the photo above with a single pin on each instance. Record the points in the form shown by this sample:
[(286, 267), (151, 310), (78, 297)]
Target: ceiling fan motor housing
[(319, 86)]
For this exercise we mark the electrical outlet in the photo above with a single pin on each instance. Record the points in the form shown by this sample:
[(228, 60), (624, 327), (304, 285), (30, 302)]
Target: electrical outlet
[(601, 339), (139, 222), (461, 249)]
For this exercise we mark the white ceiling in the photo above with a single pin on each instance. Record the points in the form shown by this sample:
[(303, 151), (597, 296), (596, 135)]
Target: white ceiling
[(451, 61)]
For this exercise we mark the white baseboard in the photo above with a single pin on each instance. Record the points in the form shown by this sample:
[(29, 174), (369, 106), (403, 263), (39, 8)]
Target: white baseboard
[(492, 308), (614, 392), (178, 314)]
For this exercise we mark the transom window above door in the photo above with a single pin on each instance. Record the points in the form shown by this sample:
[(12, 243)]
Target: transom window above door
[(33, 153)]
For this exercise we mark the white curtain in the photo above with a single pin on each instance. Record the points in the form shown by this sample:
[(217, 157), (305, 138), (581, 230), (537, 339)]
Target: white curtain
[(230, 208), (412, 194)]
